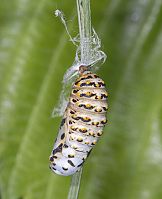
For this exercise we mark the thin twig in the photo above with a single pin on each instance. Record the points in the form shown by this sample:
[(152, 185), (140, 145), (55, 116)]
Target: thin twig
[(85, 32), (75, 185)]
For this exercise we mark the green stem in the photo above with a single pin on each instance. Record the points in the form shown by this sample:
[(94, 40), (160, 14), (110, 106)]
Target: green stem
[(75, 185), (85, 32)]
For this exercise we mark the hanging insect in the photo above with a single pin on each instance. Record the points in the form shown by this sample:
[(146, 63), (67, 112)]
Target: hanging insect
[(82, 123)]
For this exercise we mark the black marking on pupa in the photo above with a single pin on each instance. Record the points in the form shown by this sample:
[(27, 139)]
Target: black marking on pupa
[(65, 169), (65, 146), (62, 122), (71, 163), (62, 136), (58, 149), (89, 153), (80, 164)]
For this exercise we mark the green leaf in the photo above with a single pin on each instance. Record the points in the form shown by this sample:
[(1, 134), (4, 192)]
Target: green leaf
[(34, 54)]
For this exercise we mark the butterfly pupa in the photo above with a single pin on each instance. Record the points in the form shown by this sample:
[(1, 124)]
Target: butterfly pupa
[(82, 123)]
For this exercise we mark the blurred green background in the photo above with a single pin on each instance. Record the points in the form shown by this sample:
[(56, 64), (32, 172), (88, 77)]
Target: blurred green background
[(35, 52)]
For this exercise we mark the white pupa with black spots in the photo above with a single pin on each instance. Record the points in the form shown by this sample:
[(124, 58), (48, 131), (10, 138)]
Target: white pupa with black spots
[(81, 126)]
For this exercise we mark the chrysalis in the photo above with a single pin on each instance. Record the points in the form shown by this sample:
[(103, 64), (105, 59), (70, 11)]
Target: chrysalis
[(82, 123)]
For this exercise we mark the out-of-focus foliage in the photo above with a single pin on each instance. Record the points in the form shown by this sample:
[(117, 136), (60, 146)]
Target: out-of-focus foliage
[(34, 55)]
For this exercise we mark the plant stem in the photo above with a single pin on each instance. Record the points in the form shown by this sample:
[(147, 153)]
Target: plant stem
[(75, 185), (85, 32)]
